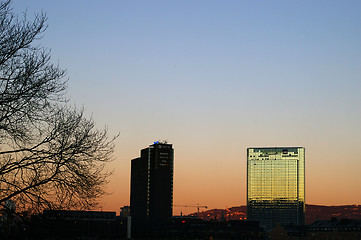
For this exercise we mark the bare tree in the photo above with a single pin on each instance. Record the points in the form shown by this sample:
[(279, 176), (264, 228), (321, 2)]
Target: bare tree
[(51, 156)]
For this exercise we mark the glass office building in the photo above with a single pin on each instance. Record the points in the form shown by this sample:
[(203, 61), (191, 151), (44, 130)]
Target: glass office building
[(276, 186)]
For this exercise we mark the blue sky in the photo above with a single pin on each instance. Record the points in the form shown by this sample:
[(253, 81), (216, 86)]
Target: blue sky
[(213, 78)]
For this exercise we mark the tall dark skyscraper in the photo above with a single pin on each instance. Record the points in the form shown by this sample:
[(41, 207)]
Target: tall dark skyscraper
[(276, 186), (151, 191)]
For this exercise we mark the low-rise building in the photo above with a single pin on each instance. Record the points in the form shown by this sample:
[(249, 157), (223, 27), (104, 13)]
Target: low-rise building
[(344, 229), (72, 224)]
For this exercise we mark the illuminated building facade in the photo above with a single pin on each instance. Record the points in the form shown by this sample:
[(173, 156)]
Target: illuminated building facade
[(151, 190), (276, 186)]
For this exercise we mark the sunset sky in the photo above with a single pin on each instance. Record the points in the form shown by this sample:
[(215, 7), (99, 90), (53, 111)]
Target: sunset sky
[(214, 78)]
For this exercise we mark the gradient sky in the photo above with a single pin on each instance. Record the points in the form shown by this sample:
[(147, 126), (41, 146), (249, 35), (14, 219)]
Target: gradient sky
[(213, 78)]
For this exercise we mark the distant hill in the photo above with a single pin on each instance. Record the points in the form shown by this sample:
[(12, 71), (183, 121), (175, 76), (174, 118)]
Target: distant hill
[(313, 213)]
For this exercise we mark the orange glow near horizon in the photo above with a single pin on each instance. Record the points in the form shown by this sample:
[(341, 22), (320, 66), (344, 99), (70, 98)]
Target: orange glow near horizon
[(221, 184)]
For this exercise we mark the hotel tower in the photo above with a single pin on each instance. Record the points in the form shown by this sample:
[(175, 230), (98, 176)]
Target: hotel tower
[(276, 186)]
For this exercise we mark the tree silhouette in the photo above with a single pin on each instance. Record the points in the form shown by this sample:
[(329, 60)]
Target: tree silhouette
[(51, 155)]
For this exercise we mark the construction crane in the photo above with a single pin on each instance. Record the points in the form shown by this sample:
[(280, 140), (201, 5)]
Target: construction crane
[(197, 206)]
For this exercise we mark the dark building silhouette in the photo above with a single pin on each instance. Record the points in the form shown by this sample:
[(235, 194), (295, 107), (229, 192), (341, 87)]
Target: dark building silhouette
[(151, 191), (71, 224), (340, 229), (288, 232), (196, 228)]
